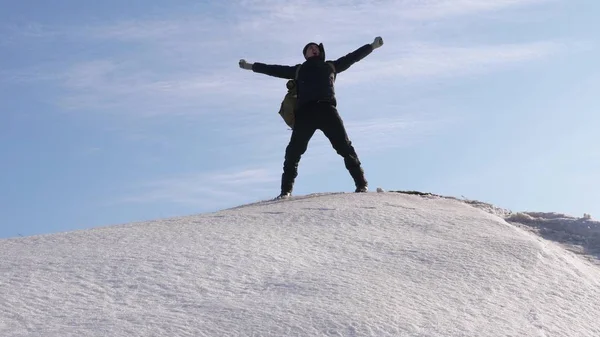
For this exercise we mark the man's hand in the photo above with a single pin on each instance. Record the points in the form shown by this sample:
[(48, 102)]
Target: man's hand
[(378, 42), (245, 65)]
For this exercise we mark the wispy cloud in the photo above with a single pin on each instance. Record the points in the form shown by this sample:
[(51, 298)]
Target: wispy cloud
[(423, 10), (267, 137), (215, 190), (187, 64), (219, 189), (382, 134), (209, 190), (152, 29), (425, 61), (12, 33), (343, 21), (125, 88)]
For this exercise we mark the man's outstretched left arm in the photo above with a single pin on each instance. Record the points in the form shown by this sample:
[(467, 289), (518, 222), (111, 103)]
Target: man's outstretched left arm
[(346, 61)]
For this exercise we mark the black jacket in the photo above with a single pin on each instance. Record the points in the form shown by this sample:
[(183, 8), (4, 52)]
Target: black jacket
[(316, 78)]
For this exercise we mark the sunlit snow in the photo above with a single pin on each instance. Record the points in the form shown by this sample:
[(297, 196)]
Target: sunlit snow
[(346, 264)]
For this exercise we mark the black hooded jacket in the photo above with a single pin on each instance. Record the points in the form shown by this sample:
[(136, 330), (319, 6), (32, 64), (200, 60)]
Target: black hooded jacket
[(315, 80)]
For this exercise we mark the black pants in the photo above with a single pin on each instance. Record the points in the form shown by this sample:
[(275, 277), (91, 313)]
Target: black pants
[(325, 117)]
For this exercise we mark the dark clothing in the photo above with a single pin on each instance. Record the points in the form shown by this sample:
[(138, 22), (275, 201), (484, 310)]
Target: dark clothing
[(316, 110), (316, 78), (323, 116)]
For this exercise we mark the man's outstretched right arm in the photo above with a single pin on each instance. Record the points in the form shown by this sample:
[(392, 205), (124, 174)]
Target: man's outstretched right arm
[(287, 72)]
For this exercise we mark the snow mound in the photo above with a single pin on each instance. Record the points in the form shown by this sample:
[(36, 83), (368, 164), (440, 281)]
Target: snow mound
[(580, 235), (366, 264), (556, 221), (502, 212)]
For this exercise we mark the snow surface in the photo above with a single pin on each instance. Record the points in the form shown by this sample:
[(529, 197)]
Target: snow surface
[(367, 264), (580, 235)]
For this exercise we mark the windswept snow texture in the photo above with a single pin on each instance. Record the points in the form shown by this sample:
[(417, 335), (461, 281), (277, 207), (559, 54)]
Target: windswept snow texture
[(581, 235), (374, 264)]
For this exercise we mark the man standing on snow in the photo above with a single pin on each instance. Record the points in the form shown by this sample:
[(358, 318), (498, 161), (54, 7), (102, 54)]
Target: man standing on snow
[(317, 108)]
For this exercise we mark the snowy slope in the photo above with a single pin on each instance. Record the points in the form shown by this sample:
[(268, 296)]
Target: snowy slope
[(376, 264), (580, 235)]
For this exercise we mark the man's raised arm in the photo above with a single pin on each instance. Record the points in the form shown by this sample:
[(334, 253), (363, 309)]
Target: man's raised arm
[(288, 72), (346, 61)]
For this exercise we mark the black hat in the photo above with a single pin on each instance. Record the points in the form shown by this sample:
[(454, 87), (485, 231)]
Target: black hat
[(321, 49)]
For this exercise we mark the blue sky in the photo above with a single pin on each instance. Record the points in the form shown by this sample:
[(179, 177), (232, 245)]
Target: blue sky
[(114, 112)]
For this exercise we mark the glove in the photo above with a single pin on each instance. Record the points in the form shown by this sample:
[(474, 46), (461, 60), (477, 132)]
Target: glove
[(245, 65), (378, 42)]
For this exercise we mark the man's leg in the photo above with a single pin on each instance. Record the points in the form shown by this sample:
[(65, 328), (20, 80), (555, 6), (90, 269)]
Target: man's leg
[(301, 135), (333, 128)]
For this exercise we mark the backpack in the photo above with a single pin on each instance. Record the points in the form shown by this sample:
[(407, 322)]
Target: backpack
[(287, 110)]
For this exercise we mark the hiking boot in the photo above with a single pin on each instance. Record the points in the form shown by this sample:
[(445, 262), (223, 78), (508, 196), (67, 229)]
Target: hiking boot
[(361, 189), (358, 176), (284, 195)]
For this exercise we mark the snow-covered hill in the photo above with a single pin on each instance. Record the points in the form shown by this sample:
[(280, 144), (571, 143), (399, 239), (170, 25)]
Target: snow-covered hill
[(375, 264)]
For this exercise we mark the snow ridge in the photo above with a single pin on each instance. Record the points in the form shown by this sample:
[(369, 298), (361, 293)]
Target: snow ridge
[(579, 235), (347, 264)]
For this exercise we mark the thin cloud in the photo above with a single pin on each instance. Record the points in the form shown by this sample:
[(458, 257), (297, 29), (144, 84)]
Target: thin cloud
[(16, 33), (127, 88), (424, 61), (219, 189), (418, 9), (372, 135), (187, 64), (432, 9), (315, 18), (205, 189), (105, 86), (150, 30)]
